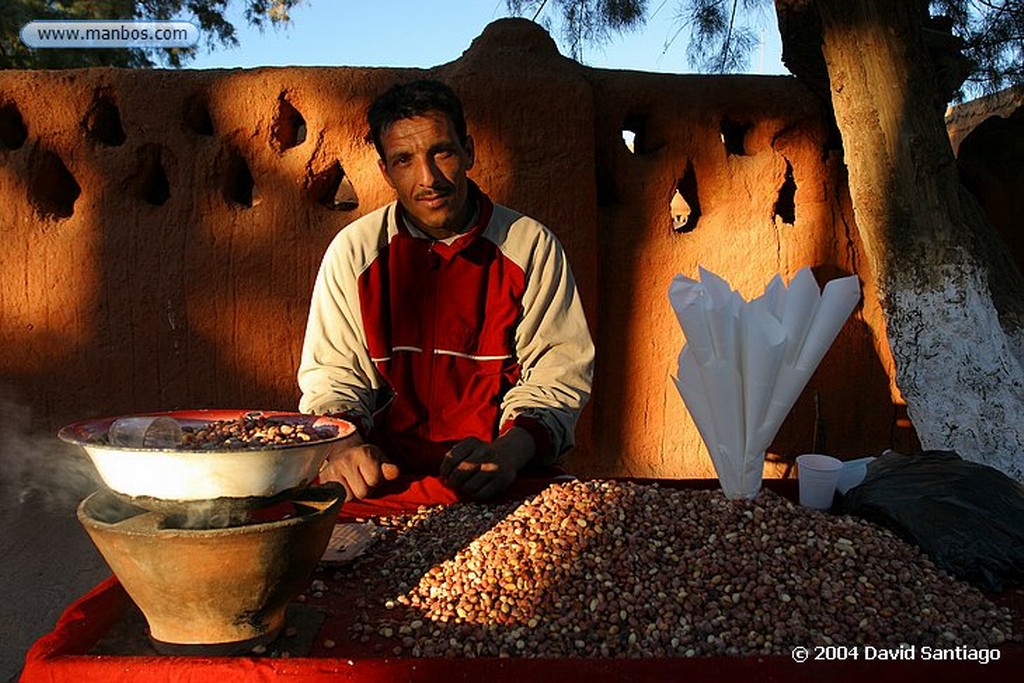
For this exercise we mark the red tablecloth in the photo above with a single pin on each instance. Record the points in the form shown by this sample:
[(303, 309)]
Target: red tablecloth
[(63, 654)]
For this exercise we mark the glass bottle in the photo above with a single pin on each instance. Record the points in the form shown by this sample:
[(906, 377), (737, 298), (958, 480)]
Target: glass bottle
[(145, 432)]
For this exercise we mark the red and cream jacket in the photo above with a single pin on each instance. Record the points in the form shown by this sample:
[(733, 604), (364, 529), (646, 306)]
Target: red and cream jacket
[(471, 337)]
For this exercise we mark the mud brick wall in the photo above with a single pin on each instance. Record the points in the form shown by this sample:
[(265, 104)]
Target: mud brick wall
[(988, 137), (162, 231)]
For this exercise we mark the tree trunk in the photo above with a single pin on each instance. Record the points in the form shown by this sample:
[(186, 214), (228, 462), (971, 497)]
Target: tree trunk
[(936, 262)]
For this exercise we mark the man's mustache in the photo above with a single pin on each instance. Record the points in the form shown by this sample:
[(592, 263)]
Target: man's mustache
[(434, 193)]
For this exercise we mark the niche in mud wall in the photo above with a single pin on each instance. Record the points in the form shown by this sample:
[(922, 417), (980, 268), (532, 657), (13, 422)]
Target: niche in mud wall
[(52, 189), (12, 126), (102, 122), (684, 207)]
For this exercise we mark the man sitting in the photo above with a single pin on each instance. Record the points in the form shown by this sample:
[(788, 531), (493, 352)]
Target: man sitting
[(462, 313)]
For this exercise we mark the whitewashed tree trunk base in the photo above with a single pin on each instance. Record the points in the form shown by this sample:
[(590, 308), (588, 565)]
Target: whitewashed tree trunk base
[(963, 384), (926, 241)]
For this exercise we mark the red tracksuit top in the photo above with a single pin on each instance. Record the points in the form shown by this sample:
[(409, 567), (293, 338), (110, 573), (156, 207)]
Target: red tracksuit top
[(470, 337)]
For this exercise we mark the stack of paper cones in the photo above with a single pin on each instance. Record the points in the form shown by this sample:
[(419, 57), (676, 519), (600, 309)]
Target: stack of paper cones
[(744, 364)]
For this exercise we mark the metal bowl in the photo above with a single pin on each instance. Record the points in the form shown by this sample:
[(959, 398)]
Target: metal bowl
[(189, 475)]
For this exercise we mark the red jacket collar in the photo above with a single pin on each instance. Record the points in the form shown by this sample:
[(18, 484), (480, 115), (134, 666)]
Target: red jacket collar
[(485, 208)]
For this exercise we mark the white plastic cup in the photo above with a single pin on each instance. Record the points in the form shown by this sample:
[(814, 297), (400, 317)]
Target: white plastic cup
[(853, 473), (145, 432), (818, 477)]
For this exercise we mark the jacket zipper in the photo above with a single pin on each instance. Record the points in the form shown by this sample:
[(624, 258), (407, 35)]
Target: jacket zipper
[(434, 271)]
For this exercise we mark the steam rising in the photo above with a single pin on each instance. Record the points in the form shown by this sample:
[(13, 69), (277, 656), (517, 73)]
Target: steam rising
[(208, 514), (109, 508), (39, 468)]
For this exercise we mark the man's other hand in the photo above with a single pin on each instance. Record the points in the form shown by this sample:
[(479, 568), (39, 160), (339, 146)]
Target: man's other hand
[(482, 470), (358, 466)]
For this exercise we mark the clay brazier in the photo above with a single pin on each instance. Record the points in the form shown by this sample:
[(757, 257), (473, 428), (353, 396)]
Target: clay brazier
[(225, 587)]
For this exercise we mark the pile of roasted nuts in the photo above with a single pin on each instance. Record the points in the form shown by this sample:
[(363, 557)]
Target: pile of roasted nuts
[(251, 431), (619, 569)]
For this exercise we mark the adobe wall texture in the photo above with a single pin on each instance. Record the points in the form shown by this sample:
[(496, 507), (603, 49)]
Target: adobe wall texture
[(162, 231), (988, 135)]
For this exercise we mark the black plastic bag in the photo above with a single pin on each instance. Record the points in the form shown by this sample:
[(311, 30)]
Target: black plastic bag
[(969, 518)]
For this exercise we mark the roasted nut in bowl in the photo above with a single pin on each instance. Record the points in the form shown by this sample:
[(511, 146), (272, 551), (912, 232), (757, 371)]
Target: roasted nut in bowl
[(220, 467)]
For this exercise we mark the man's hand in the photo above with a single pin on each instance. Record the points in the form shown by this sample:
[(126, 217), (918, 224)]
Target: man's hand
[(482, 470), (358, 466)]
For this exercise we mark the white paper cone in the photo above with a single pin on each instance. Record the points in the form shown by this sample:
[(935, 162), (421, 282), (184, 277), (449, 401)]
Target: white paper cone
[(723, 306), (763, 346), (692, 393), (686, 296), (802, 299), (774, 297), (790, 382), (837, 302), (753, 474), (745, 364), (831, 315), (715, 390)]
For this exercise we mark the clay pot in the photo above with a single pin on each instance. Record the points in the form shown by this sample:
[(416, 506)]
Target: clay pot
[(227, 586)]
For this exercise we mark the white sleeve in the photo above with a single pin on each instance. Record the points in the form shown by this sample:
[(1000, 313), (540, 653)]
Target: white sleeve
[(336, 373), (553, 345)]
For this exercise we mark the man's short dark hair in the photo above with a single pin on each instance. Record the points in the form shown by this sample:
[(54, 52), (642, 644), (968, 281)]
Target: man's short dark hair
[(416, 98)]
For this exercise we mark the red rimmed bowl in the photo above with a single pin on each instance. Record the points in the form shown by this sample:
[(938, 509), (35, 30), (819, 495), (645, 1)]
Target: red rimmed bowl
[(182, 475)]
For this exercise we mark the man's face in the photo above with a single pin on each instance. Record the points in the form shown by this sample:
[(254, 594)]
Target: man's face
[(426, 165)]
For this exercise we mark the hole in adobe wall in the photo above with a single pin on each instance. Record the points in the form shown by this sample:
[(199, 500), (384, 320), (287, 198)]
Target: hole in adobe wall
[(634, 134), (52, 190), (785, 203), (239, 185), (289, 127), (333, 189), (197, 115), (629, 139), (153, 185), (684, 206), (102, 122), (734, 136), (12, 127)]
